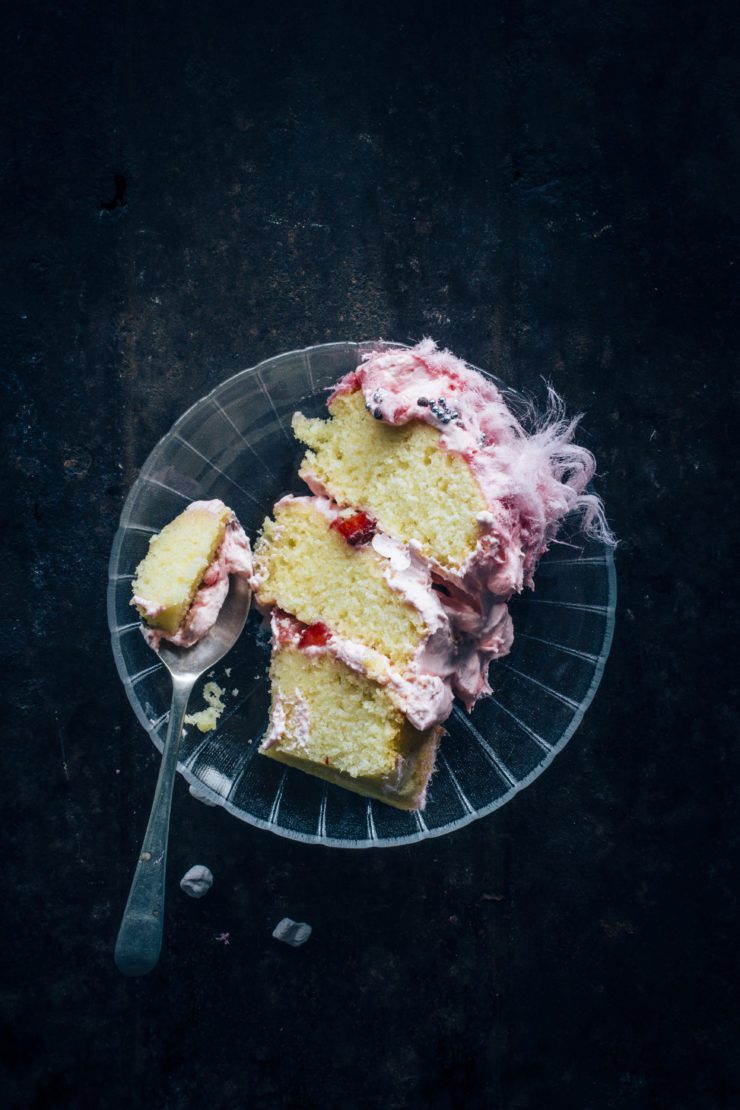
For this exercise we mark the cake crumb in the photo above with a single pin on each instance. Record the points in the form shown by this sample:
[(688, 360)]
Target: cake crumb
[(227, 672), (207, 719)]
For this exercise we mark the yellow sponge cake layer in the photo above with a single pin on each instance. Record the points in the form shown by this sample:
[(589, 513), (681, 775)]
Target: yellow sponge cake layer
[(306, 568), (397, 473), (178, 557), (342, 727)]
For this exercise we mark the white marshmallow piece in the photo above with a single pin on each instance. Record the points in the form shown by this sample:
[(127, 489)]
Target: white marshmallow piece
[(294, 933), (197, 881)]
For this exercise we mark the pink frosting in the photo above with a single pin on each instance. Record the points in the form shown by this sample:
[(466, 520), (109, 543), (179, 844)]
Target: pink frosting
[(234, 556)]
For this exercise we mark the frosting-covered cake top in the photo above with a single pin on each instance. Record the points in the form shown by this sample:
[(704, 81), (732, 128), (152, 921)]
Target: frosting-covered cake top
[(530, 480)]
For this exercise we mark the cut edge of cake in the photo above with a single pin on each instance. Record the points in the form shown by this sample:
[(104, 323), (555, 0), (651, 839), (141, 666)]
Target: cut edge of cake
[(167, 578), (180, 585), (312, 696), (411, 798), (417, 491), (306, 566)]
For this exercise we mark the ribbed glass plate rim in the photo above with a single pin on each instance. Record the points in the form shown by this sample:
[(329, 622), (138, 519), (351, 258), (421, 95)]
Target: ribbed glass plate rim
[(423, 832)]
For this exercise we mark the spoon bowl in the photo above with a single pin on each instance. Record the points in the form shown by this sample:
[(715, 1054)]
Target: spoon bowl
[(140, 935), (203, 655)]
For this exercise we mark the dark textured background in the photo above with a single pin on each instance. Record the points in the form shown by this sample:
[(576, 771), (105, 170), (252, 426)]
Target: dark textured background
[(548, 189)]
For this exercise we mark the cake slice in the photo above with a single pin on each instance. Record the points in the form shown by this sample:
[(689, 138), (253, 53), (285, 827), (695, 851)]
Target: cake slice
[(339, 725), (181, 584), (428, 447), (375, 595), (396, 473), (324, 566)]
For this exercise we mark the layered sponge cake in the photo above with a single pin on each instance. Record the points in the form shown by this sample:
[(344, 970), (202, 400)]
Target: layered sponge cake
[(181, 584), (340, 725), (332, 569), (306, 566), (388, 588)]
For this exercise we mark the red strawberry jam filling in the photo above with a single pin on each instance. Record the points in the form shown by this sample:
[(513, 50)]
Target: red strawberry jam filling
[(314, 635), (356, 529)]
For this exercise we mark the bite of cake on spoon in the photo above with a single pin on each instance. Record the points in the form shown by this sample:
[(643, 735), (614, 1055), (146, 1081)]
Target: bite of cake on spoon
[(181, 584)]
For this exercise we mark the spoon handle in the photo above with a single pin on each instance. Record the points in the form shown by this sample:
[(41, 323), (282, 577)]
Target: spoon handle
[(140, 936)]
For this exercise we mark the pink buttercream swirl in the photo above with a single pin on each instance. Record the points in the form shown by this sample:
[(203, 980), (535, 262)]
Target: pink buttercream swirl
[(234, 556)]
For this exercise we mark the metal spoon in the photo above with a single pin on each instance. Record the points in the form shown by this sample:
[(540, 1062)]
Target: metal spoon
[(140, 936)]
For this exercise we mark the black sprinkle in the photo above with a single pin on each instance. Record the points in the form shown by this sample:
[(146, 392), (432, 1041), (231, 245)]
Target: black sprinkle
[(423, 402), (378, 414)]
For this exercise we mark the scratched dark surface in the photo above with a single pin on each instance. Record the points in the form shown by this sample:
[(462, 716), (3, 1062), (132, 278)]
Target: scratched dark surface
[(549, 190)]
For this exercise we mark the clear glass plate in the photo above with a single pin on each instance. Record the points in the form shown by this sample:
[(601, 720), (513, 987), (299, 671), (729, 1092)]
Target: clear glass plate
[(236, 444)]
